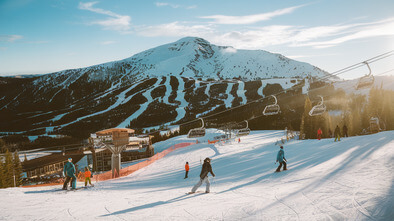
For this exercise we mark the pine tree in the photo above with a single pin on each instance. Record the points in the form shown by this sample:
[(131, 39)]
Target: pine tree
[(306, 121), (2, 180), (8, 170), (17, 169)]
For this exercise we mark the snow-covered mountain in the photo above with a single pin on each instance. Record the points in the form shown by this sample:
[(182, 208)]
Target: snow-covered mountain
[(167, 84), (347, 180), (193, 57)]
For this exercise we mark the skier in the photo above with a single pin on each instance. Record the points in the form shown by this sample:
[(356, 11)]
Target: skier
[(206, 168), (69, 172), (186, 169), (281, 159), (337, 134), (319, 133), (88, 174), (329, 133), (344, 130)]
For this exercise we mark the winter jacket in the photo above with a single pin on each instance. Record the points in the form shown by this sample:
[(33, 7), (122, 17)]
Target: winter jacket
[(69, 169), (187, 167), (319, 132), (206, 168), (337, 131), (281, 156), (88, 173)]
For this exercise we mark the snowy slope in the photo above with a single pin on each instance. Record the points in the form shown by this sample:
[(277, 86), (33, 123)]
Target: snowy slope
[(348, 180)]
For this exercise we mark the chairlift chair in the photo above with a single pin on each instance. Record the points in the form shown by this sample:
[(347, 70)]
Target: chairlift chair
[(318, 109), (367, 80), (272, 109), (197, 132), (244, 131)]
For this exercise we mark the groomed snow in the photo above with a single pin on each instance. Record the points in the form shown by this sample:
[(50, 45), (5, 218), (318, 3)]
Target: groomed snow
[(347, 180)]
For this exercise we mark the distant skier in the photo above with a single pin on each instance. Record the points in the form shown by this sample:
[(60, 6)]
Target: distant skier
[(88, 175), (329, 133), (239, 140), (206, 168), (69, 172), (344, 130), (337, 134), (319, 133), (186, 169), (281, 159)]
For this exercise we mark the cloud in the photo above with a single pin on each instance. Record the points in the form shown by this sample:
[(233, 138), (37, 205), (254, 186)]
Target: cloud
[(249, 19), (174, 29), (107, 42), (164, 4), (115, 21), (10, 38)]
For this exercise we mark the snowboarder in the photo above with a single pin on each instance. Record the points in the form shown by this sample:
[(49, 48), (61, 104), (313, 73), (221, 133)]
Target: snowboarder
[(281, 159), (337, 134), (344, 130), (186, 169), (88, 174), (319, 133), (206, 168), (69, 172)]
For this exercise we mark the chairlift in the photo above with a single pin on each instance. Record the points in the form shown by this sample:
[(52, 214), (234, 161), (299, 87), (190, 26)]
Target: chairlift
[(272, 109), (318, 109), (367, 80), (197, 132), (244, 131)]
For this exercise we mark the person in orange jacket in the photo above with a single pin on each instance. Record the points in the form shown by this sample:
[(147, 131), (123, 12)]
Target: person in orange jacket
[(186, 169), (88, 174), (319, 133)]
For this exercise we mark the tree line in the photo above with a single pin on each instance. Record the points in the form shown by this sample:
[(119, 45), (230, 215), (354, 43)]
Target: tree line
[(10, 170), (351, 110)]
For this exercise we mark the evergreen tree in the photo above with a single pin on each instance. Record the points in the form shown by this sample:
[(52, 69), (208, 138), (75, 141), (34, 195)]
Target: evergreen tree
[(17, 169), (8, 170), (306, 121), (2, 180)]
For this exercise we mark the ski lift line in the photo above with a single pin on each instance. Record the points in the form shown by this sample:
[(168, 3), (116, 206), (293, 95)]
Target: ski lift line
[(336, 73), (371, 60)]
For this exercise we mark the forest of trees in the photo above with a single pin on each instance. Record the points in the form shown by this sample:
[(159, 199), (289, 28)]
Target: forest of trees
[(10, 170), (354, 111)]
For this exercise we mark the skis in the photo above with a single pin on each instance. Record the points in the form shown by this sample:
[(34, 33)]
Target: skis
[(195, 192)]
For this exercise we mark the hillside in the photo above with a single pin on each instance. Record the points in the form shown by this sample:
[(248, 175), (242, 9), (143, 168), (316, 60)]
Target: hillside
[(347, 180), (172, 83)]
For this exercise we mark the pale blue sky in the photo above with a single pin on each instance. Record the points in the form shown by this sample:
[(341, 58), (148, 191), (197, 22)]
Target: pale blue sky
[(43, 36)]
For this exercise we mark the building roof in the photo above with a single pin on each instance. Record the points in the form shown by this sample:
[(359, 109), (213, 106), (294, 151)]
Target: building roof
[(49, 160), (110, 131)]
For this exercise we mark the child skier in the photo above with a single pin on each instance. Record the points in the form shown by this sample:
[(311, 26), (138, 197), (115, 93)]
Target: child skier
[(88, 174), (69, 172), (206, 168), (281, 159), (319, 133), (186, 169)]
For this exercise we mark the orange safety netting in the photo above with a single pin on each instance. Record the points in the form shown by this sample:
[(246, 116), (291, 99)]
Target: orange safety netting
[(130, 169), (125, 171)]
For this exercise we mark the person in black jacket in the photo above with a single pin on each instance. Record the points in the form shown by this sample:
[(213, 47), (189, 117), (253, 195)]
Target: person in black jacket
[(206, 168)]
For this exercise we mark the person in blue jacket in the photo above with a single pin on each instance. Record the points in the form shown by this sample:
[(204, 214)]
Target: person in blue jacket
[(69, 172), (281, 159)]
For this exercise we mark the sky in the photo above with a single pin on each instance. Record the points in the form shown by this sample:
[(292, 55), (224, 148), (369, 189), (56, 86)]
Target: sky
[(44, 36)]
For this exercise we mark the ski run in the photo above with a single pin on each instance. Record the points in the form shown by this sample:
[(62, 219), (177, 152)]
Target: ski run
[(326, 180)]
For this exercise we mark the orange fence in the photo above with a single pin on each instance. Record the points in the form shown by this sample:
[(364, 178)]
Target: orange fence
[(130, 169), (125, 171)]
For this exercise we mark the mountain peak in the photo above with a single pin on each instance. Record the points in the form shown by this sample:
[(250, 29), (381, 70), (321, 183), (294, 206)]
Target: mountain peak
[(190, 39)]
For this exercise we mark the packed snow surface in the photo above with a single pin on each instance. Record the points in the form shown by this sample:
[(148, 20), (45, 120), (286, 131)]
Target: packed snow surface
[(347, 180)]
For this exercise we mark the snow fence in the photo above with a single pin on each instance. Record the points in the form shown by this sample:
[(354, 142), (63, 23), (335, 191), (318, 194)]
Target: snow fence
[(125, 171), (130, 169)]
